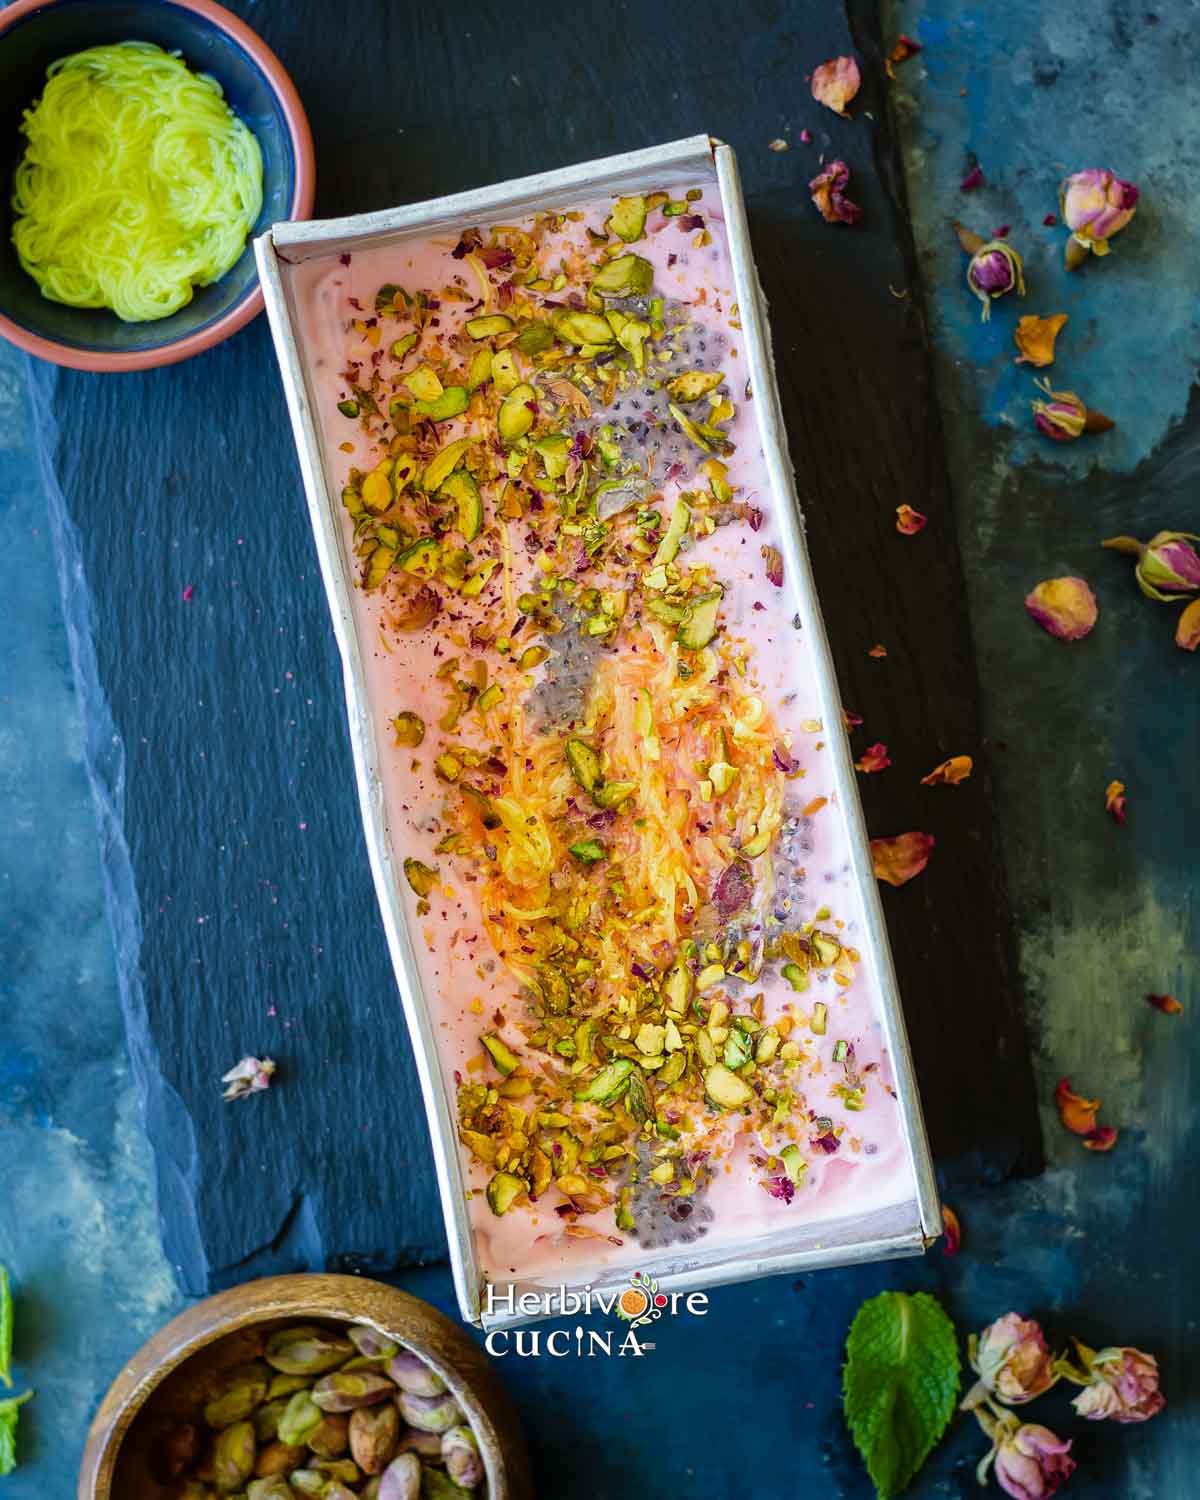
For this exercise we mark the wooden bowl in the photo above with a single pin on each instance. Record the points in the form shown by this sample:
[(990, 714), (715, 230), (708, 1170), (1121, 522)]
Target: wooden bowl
[(161, 1384)]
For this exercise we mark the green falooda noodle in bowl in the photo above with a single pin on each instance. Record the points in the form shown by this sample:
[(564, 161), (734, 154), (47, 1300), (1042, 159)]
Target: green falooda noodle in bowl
[(137, 184)]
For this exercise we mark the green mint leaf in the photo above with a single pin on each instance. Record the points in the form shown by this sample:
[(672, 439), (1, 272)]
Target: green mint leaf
[(6, 1328), (899, 1384), (8, 1431)]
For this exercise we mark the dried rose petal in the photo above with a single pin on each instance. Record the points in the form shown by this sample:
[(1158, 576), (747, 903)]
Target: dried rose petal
[(950, 772), (773, 559), (878, 651), (1064, 607), (1167, 1004), (1035, 337), (1114, 800), (1077, 1113), (250, 1076), (828, 191), (972, 180), (781, 1187), (810, 809), (777, 145), (851, 719), (953, 1231), (904, 49), (1103, 1138), (806, 137), (908, 520), (733, 890), (1187, 631), (1050, 220), (835, 83), (898, 859), (874, 758)]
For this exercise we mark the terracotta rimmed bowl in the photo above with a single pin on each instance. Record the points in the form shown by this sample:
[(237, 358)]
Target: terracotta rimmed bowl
[(163, 1382), (33, 34)]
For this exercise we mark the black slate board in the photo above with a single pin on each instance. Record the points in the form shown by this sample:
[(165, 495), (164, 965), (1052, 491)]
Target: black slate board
[(242, 902)]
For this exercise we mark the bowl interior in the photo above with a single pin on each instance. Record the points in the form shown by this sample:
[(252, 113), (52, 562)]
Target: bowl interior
[(27, 47)]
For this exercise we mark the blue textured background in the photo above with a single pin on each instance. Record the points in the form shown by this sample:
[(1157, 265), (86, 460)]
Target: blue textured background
[(745, 1401)]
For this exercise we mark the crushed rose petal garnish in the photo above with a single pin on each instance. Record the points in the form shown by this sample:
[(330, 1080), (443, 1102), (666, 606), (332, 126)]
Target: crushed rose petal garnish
[(1077, 1113), (1064, 607), (1114, 800), (950, 772), (1035, 338), (835, 83), (909, 521), (898, 859), (1166, 1003), (953, 1235), (874, 758)]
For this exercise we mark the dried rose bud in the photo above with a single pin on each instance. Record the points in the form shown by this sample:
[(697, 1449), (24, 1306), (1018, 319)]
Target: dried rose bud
[(909, 521), (1119, 1384), (1012, 1361), (1095, 204), (1187, 630), (994, 269), (1065, 607), (1064, 417), (1032, 1463), (1167, 564), (828, 191)]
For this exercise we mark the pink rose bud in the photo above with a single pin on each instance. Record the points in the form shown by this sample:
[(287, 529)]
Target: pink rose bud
[(1167, 564), (1012, 1360), (1095, 204), (1064, 417), (993, 270), (1123, 1386), (1032, 1462)]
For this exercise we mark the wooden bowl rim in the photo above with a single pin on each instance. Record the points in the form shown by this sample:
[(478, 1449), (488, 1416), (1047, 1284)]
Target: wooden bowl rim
[(335, 1298)]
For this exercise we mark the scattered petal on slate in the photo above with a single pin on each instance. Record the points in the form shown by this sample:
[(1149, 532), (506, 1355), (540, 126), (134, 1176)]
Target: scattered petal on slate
[(878, 652), (1077, 1113), (1064, 607), (908, 520), (973, 179), (1035, 338), (1167, 1004), (898, 859), (187, 594), (250, 1076), (828, 191), (901, 52), (1114, 800), (953, 1234), (835, 83), (1187, 631), (874, 758), (777, 145), (950, 772)]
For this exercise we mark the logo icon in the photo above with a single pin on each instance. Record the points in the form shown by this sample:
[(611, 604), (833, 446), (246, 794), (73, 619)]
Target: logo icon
[(641, 1302)]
